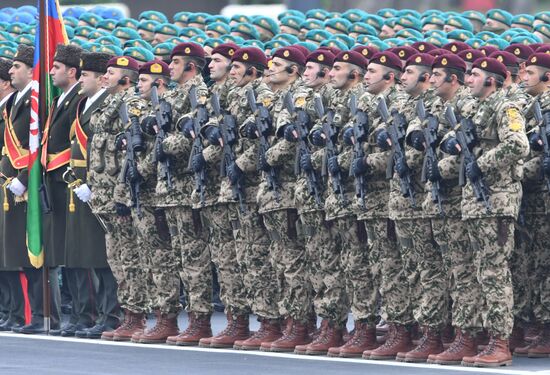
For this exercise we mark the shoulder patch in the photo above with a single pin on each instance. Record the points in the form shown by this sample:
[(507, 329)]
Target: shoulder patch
[(514, 117), (300, 102), (266, 102)]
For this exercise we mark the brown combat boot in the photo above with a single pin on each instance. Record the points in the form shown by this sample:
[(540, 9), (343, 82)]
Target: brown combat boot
[(172, 340), (532, 331), (430, 343), (296, 335), (399, 341), (199, 327), (364, 338), (238, 329), (497, 353), (541, 346), (108, 335), (464, 345), (285, 329), (270, 330), (134, 323), (302, 349), (447, 335), (331, 337), (517, 338), (482, 340), (167, 325)]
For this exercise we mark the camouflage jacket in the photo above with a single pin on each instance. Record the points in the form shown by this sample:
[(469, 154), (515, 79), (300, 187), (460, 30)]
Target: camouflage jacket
[(502, 146)]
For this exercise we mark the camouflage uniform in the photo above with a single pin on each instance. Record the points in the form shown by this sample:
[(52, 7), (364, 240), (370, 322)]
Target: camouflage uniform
[(121, 238), (501, 131), (187, 234)]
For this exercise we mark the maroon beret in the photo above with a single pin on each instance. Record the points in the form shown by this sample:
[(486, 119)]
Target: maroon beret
[(491, 65), (506, 58), (302, 49), (321, 56), (352, 57), (366, 51), (188, 49), (456, 47), (545, 48), (155, 67), (438, 52), (539, 59), (450, 61), (334, 50), (534, 46), (487, 50), (123, 62), (422, 59), (250, 55), (291, 54), (423, 47), (404, 52), (226, 50), (387, 59), (470, 55), (521, 51)]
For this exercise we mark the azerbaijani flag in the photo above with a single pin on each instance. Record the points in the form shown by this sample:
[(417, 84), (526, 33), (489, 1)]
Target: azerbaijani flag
[(50, 31)]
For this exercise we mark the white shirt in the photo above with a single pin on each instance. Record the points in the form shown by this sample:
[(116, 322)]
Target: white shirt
[(64, 95), (22, 93), (91, 100), (5, 99)]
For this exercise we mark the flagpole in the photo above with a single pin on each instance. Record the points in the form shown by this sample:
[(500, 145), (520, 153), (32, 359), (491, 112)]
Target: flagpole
[(42, 118)]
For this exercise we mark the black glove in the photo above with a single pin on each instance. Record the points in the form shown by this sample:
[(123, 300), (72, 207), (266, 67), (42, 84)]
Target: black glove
[(473, 172), (290, 130), (401, 167), (120, 142), (348, 136), (333, 166), (359, 166), (432, 171), (305, 163), (449, 146), (251, 130), (198, 163), (234, 173), (148, 125), (122, 210), (417, 140), (317, 138), (534, 139), (382, 139), (212, 134), (160, 155), (546, 165), (263, 164), (187, 128)]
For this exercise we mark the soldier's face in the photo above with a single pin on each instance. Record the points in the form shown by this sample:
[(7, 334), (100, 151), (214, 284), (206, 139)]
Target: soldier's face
[(429, 27), (437, 80), (59, 74), (532, 83), (159, 38), (145, 82), (409, 79), (386, 32), (176, 68), (20, 75), (146, 35), (311, 74), (90, 83), (237, 74), (339, 74), (277, 73), (449, 28), (374, 78), (476, 83), (218, 67), (112, 77)]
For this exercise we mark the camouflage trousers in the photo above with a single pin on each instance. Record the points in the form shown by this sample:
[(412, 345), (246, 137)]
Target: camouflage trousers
[(219, 220), (493, 242), (156, 253), (123, 257), (260, 281), (325, 268), (451, 235), (423, 266), (388, 268), (189, 244), (288, 257)]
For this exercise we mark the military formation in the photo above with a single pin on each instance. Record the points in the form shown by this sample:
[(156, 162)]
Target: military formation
[(393, 165)]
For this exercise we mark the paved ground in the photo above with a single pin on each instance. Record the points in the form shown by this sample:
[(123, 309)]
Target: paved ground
[(57, 356)]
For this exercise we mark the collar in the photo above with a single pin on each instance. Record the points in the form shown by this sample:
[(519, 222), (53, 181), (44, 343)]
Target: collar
[(23, 92)]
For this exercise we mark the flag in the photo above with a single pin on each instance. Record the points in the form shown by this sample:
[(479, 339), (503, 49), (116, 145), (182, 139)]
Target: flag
[(50, 31)]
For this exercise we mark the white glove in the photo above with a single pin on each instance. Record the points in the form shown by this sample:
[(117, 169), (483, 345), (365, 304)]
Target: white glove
[(83, 193), (17, 188)]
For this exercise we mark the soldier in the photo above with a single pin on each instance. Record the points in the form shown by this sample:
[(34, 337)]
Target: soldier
[(104, 166), (13, 304), (501, 133), (85, 237), (13, 167), (535, 203), (56, 155)]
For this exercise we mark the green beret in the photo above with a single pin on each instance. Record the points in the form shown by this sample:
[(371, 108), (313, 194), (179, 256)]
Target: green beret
[(310, 46), (348, 40), (408, 12), (354, 15), (437, 41), (91, 19), (451, 14), (219, 27), (128, 22), (97, 34), (292, 39), (108, 40), (543, 16), (125, 33), (524, 39), (153, 15), (4, 26), (544, 29), (498, 43), (181, 17), (379, 44), (110, 49), (91, 47), (317, 35), (460, 23), (375, 21), (71, 21), (364, 39), (138, 43), (318, 14), (523, 19), (27, 39), (217, 18), (334, 15), (500, 16), (431, 12), (31, 29), (78, 42), (474, 15), (246, 29), (362, 28), (83, 31), (266, 23), (240, 18), (334, 43), (190, 32), (312, 24), (253, 43), (339, 24), (408, 33), (433, 20), (199, 18), (210, 42), (274, 44), (4, 35), (16, 27), (7, 52), (167, 29), (148, 25), (163, 49), (394, 42), (409, 22), (199, 39), (107, 25), (439, 33), (175, 40), (140, 54), (6, 43), (461, 35), (291, 13), (474, 42), (292, 22), (387, 13), (232, 39), (486, 35)]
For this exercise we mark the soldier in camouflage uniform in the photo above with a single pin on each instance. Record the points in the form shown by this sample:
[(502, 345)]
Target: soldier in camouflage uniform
[(262, 288), (535, 203), (450, 232), (501, 133), (104, 166)]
